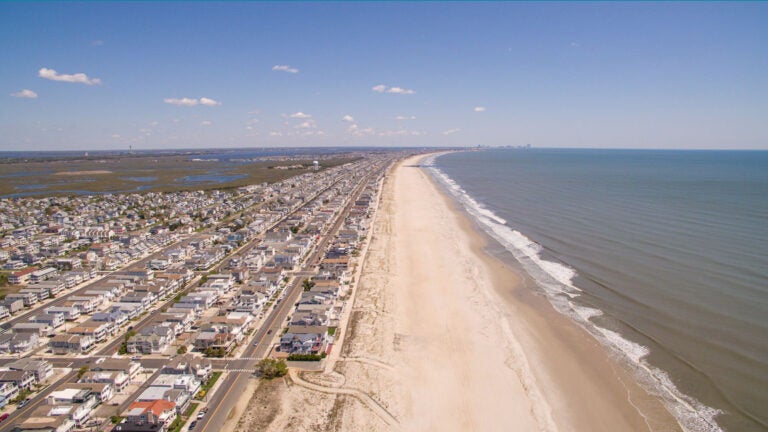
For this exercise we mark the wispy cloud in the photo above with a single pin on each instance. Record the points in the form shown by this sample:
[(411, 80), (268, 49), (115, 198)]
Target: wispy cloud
[(405, 117), (300, 115), (81, 78), (357, 131), (97, 43), (181, 102), (451, 131), (191, 101), (348, 118), (479, 109), (206, 123), (285, 68), (309, 124), (401, 132), (26, 94), (381, 88)]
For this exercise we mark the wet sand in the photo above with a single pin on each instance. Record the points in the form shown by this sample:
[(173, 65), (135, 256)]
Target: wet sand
[(445, 336)]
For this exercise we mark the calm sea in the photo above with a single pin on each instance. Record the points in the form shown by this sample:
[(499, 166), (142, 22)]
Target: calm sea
[(662, 255)]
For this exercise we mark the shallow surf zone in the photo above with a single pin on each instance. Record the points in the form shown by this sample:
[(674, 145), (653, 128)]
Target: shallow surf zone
[(556, 281)]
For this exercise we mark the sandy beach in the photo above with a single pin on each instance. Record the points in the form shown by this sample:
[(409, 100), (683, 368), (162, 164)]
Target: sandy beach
[(444, 336)]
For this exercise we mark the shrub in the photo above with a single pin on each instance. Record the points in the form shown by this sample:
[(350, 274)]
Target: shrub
[(270, 368), (306, 357)]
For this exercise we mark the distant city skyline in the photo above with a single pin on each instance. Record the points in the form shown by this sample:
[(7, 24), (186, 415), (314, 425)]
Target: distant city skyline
[(110, 76)]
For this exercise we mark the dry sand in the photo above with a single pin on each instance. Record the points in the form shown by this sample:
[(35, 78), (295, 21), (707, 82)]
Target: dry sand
[(443, 336)]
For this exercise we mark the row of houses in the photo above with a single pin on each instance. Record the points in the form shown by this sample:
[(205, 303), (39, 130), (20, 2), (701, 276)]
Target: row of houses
[(72, 405), (94, 314), (22, 375), (318, 308)]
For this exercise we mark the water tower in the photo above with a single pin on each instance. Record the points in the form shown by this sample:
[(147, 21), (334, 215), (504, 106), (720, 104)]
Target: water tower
[(315, 165)]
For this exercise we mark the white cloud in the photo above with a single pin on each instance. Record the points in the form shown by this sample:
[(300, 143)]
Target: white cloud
[(355, 130), (116, 136), (191, 101), (154, 123), (451, 131), (309, 124), (206, 123), (275, 134), (209, 102), (81, 78), (401, 132), (398, 90), (181, 102), (381, 88), (285, 68), (348, 118), (97, 43), (479, 109), (26, 93), (405, 117), (300, 115)]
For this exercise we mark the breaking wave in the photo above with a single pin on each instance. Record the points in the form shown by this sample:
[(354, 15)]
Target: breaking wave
[(556, 281)]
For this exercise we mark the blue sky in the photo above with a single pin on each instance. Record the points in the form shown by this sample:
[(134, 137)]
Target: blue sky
[(188, 75)]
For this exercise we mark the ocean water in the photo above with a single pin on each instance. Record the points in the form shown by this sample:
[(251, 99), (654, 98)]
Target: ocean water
[(661, 255)]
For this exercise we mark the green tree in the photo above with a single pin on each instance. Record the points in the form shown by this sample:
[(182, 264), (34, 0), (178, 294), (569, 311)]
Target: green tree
[(307, 284), (182, 350), (271, 368)]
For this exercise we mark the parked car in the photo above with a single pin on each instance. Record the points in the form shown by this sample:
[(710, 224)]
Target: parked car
[(192, 425), (23, 403), (3, 417), (200, 415)]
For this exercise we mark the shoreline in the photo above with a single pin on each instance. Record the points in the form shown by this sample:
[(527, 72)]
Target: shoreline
[(444, 334), (560, 347)]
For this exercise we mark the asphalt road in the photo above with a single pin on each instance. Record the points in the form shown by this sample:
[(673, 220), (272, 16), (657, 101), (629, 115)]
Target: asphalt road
[(59, 301), (235, 383)]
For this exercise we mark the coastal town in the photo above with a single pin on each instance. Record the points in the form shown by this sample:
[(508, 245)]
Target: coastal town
[(132, 312)]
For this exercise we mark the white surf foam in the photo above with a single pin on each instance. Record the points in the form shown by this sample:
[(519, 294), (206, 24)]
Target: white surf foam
[(556, 280)]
